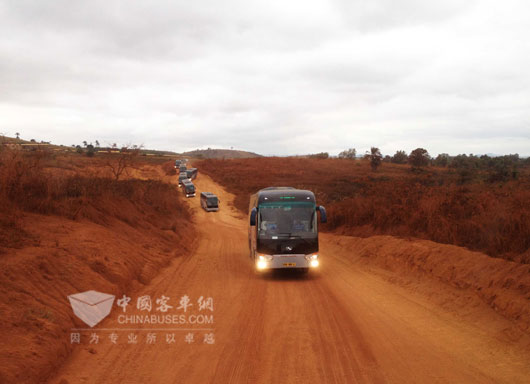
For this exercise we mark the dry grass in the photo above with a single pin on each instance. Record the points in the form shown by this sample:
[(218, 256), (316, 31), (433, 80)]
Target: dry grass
[(37, 182), (490, 217), (169, 168)]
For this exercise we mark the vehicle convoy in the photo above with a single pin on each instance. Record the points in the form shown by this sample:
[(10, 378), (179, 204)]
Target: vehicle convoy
[(182, 176), (177, 163), (192, 173), (209, 202), (188, 188), (283, 228)]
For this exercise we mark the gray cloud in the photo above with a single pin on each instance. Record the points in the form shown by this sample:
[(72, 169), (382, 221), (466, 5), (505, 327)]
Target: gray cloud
[(272, 77)]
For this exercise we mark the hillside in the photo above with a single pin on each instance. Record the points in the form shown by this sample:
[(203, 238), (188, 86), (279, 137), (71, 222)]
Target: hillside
[(68, 226), (220, 154)]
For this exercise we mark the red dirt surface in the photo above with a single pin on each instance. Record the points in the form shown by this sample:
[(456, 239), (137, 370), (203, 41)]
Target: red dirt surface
[(380, 309), (66, 231), (490, 217), (351, 322)]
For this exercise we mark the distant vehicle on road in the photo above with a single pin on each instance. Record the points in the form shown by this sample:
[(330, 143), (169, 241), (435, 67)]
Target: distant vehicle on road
[(209, 202), (177, 164), (283, 228), (182, 168), (188, 188), (192, 173), (182, 176)]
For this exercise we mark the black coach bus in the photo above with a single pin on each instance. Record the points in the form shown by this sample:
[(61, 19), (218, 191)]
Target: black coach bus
[(209, 202), (283, 229), (188, 188), (192, 173)]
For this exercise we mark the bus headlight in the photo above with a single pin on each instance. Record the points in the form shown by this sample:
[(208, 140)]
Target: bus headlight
[(263, 261), (263, 257), (313, 260)]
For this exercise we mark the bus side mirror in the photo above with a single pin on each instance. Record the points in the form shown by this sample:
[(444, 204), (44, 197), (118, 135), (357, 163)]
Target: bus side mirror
[(323, 216), (253, 213)]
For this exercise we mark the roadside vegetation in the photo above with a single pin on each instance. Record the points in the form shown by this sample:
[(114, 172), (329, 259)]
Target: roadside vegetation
[(68, 224), (77, 188), (477, 202)]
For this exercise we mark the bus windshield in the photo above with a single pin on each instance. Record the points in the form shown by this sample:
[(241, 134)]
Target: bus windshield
[(211, 201), (286, 219)]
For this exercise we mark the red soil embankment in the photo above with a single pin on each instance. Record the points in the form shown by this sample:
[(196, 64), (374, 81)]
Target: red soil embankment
[(65, 233), (502, 284)]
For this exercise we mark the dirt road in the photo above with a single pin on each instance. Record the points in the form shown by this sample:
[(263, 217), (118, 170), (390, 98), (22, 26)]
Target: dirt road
[(341, 325)]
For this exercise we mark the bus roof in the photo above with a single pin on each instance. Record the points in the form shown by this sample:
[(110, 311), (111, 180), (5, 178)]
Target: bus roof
[(284, 194), (275, 188)]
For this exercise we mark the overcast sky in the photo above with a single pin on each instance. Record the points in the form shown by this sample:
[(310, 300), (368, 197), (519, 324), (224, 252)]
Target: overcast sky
[(274, 77)]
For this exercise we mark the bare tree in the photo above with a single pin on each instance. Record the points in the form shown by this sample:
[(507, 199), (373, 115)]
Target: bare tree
[(17, 135), (118, 164)]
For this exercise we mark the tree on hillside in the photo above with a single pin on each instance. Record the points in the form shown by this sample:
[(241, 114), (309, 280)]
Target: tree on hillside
[(442, 160), (503, 168), (387, 159), (97, 144), (85, 143), (400, 157), (118, 164), (419, 158), (375, 157), (467, 167), (90, 150), (17, 135), (348, 154), (321, 155)]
